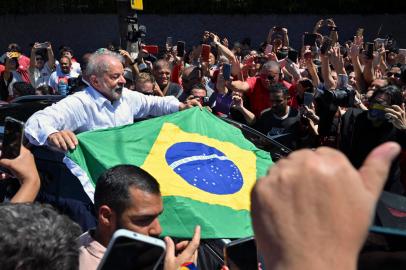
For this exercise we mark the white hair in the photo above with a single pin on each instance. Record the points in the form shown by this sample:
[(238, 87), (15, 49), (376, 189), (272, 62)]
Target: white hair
[(98, 63)]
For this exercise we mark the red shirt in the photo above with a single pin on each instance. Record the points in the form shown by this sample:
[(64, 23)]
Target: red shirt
[(23, 65), (258, 95)]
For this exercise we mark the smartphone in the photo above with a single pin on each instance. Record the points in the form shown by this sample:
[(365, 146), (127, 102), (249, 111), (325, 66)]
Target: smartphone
[(309, 39), (241, 254), (152, 49), (226, 71), (308, 99), (180, 47), (129, 250), (13, 138), (268, 49), (326, 45), (369, 50), (205, 52), (292, 55), (43, 45), (169, 42)]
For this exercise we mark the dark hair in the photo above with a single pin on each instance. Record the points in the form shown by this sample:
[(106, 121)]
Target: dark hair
[(63, 49), (23, 89), (14, 47), (34, 236), (112, 188), (44, 89), (278, 87), (392, 91)]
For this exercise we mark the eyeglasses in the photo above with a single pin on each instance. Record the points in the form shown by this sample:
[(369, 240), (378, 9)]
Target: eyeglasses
[(390, 74), (267, 77), (39, 59)]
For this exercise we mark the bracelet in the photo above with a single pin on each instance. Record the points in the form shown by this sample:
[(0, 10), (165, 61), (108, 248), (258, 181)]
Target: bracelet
[(188, 266)]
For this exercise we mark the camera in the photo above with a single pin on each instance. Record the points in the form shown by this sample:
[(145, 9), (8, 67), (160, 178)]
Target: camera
[(135, 34), (340, 97), (327, 103)]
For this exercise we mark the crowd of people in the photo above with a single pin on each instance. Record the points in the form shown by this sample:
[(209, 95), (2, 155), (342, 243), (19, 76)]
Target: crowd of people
[(349, 95)]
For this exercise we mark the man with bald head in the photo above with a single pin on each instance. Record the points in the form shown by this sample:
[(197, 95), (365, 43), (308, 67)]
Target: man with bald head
[(104, 104), (257, 88)]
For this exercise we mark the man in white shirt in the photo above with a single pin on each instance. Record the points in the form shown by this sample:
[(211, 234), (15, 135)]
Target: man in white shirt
[(60, 77), (105, 103), (39, 70)]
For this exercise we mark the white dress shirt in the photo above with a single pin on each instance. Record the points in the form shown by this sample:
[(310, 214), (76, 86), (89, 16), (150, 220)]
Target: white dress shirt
[(89, 110)]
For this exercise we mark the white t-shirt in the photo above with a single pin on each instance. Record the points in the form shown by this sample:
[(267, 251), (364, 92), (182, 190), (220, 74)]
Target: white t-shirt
[(40, 77)]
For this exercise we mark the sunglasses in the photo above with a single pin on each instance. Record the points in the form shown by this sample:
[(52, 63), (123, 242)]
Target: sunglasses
[(39, 59), (390, 74), (267, 77)]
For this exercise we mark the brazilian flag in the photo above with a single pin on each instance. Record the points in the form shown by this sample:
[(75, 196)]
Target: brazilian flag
[(205, 167)]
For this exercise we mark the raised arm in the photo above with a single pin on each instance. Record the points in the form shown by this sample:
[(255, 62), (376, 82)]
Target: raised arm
[(51, 57), (238, 104), (329, 82)]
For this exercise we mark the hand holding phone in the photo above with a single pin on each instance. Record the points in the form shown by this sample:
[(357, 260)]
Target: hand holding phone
[(13, 138)]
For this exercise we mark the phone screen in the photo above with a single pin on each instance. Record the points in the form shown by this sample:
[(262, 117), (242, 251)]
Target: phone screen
[(241, 254), (13, 136), (129, 253), (308, 99)]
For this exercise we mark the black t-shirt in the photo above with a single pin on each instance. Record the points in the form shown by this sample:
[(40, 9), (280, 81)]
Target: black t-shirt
[(286, 131)]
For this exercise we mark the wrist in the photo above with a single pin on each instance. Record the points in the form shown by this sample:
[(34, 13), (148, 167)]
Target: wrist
[(316, 262)]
